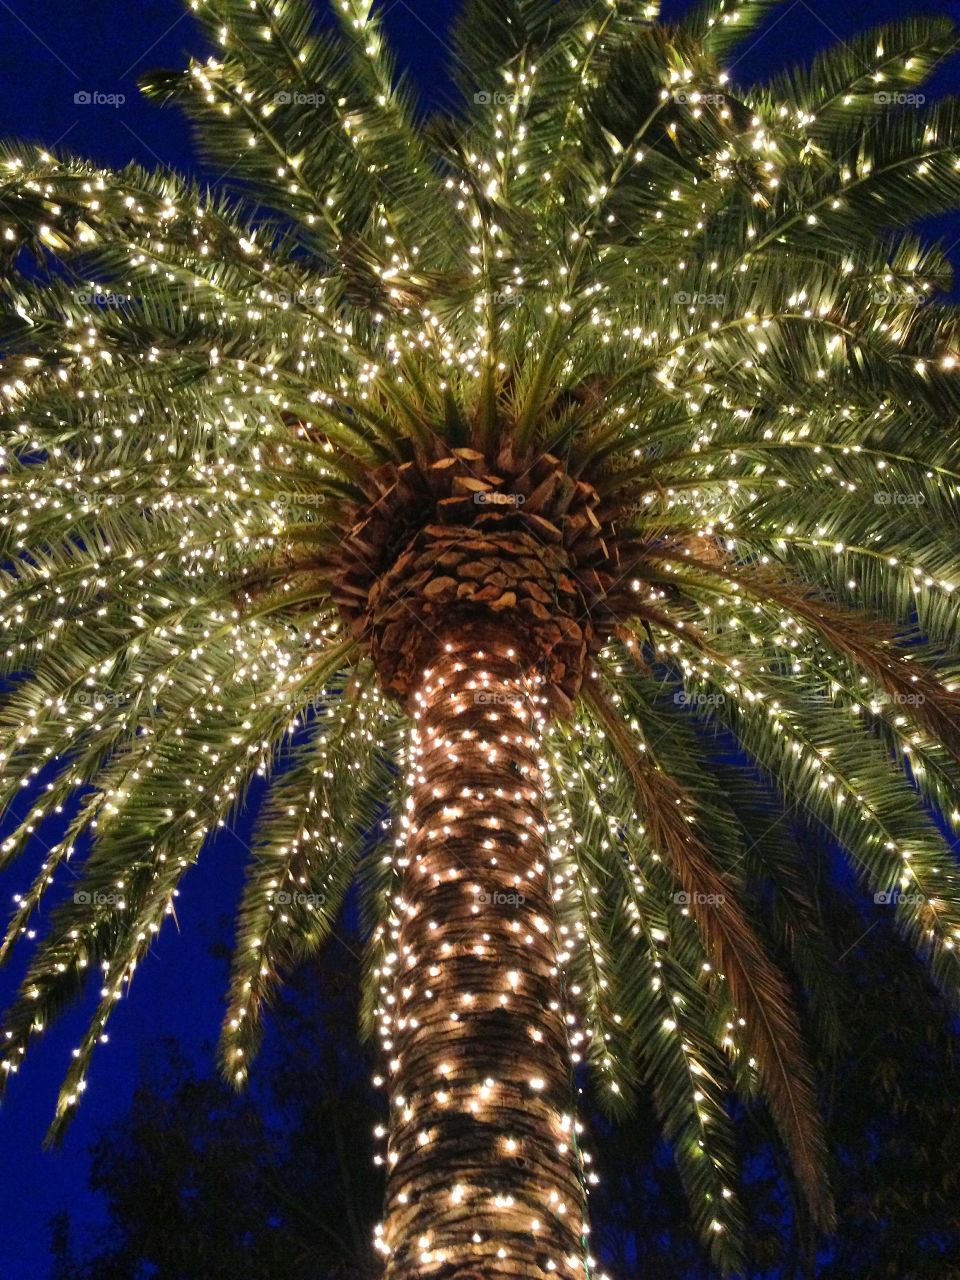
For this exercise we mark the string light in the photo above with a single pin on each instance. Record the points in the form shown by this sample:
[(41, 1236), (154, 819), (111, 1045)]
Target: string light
[(172, 491)]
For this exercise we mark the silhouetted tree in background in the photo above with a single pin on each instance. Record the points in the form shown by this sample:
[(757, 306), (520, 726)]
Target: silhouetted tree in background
[(278, 1184), (204, 1184)]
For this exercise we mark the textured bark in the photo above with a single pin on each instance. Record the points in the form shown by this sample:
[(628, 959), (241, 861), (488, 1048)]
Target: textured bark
[(485, 1179), (519, 542)]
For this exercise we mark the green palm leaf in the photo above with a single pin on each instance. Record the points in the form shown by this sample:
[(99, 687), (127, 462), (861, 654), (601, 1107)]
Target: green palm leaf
[(636, 384)]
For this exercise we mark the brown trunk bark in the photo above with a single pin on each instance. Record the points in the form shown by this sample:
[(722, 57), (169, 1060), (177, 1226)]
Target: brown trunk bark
[(484, 1173)]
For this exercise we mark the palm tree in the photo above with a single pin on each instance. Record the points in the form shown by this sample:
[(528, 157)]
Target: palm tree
[(465, 478)]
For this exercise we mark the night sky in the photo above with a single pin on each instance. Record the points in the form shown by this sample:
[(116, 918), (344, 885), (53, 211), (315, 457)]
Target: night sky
[(51, 50)]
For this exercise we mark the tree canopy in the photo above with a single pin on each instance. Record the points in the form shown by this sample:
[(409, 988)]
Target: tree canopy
[(674, 334)]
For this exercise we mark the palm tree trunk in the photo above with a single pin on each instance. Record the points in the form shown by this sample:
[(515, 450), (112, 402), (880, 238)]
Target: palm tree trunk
[(485, 1178)]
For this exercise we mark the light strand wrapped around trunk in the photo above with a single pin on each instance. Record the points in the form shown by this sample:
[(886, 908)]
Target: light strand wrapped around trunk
[(485, 1176)]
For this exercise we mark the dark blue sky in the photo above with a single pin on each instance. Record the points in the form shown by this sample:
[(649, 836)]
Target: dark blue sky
[(50, 50)]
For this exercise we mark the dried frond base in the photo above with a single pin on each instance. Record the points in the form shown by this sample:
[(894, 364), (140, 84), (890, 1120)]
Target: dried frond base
[(526, 543)]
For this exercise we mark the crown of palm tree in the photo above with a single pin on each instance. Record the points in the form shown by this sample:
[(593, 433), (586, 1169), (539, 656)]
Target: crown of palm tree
[(665, 349)]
